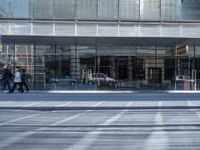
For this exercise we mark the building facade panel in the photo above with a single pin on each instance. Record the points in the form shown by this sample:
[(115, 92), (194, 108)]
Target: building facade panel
[(171, 9), (129, 9), (44, 29), (150, 9), (42, 9), (86, 29), (20, 28), (190, 10), (108, 9), (100, 29), (20, 8), (4, 9), (143, 10), (86, 9), (64, 9), (63, 29)]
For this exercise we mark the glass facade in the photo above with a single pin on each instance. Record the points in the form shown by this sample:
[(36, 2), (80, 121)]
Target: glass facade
[(103, 44), (104, 64), (169, 10)]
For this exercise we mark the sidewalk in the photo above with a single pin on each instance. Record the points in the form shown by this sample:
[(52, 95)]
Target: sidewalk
[(99, 101)]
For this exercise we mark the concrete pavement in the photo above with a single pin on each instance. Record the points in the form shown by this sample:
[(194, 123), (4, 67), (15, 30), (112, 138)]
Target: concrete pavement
[(100, 129), (134, 121)]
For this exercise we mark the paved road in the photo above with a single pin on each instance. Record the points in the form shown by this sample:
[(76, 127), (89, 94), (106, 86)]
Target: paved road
[(125, 129), (42, 96)]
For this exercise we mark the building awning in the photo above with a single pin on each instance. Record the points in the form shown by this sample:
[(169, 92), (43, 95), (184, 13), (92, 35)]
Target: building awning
[(107, 41)]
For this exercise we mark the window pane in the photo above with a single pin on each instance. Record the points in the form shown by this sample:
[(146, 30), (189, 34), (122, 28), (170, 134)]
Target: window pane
[(191, 10), (4, 9), (86, 9), (108, 9), (20, 8), (64, 29), (86, 29), (20, 28), (150, 9), (42, 9), (64, 9), (42, 28), (129, 9), (171, 10)]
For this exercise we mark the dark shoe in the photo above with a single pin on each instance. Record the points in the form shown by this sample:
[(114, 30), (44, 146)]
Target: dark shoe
[(9, 92)]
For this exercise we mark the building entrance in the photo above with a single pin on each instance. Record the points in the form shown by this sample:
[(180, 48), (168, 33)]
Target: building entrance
[(154, 75)]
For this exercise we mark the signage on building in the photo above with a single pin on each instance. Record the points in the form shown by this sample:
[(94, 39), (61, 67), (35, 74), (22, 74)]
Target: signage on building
[(182, 50)]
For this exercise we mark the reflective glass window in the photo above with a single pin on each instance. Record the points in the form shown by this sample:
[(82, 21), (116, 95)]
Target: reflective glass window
[(42, 9), (64, 29), (150, 9), (4, 27), (4, 9), (108, 9), (129, 9), (64, 9), (20, 28), (191, 10), (86, 29), (171, 9), (42, 28), (20, 8), (86, 9)]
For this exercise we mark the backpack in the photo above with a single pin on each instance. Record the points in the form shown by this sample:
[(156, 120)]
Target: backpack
[(23, 77)]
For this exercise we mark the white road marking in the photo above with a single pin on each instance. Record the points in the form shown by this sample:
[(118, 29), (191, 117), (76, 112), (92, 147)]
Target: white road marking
[(65, 104), (157, 140), (32, 104), (17, 119), (194, 110), (91, 137), (23, 135), (97, 104)]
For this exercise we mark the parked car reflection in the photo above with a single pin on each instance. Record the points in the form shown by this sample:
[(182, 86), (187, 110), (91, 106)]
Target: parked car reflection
[(101, 78), (62, 80), (184, 78)]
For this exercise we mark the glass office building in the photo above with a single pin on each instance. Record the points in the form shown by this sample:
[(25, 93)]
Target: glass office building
[(103, 44)]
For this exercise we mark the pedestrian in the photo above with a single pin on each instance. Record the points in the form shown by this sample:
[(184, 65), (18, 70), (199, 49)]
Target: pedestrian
[(24, 78), (17, 80), (6, 78)]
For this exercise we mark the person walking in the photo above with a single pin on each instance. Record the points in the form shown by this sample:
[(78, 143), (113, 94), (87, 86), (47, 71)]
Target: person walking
[(24, 78), (6, 78), (17, 80)]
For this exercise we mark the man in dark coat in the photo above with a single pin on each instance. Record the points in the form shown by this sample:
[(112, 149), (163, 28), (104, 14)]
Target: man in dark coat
[(6, 77)]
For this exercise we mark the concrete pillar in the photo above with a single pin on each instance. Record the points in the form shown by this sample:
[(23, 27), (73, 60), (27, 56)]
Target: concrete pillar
[(75, 65), (113, 69), (130, 68)]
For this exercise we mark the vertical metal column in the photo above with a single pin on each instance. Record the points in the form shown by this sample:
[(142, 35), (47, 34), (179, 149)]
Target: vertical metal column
[(175, 66), (96, 62), (34, 57), (194, 71), (55, 64), (14, 52), (155, 84), (76, 58)]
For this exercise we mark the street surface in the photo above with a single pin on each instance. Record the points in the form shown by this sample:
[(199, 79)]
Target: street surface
[(102, 125)]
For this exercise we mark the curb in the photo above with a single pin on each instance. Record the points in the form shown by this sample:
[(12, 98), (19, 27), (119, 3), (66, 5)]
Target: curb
[(52, 108)]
